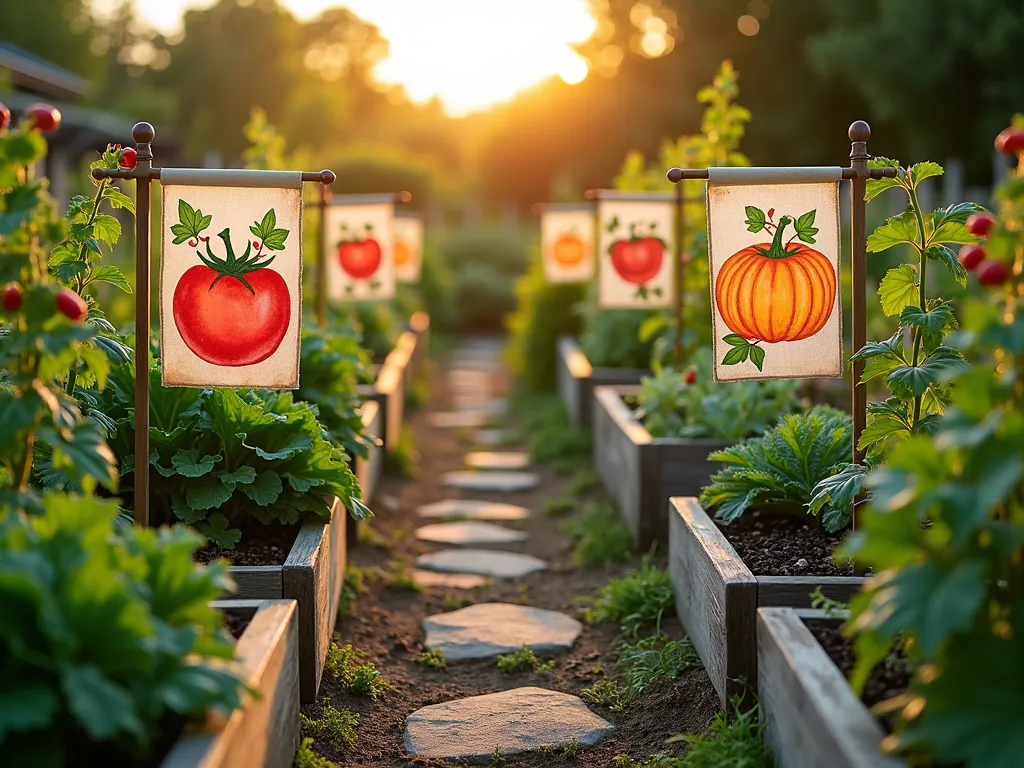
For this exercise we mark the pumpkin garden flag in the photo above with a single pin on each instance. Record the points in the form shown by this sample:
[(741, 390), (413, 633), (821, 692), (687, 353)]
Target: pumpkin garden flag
[(360, 257), (635, 249), (773, 244), (567, 243), (407, 244), (231, 278)]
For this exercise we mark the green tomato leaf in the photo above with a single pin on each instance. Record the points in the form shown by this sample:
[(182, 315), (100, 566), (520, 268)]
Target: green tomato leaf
[(756, 219), (875, 187), (948, 257), (188, 464), (98, 363), (103, 708), (912, 381), (891, 346), (899, 289), (107, 229), (896, 230), (108, 273), (881, 428), (933, 321), (921, 171), (118, 199)]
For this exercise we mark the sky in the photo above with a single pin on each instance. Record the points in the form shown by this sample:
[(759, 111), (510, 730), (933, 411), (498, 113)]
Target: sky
[(471, 54)]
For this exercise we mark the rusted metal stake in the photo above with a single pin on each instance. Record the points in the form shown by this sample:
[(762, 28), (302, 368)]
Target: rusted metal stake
[(143, 134), (859, 134), (680, 269), (321, 261)]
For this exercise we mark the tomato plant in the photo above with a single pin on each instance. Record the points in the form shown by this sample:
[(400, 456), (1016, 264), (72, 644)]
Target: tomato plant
[(231, 311), (944, 531)]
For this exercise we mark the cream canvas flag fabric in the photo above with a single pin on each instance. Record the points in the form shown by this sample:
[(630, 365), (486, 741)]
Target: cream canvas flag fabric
[(230, 298), (360, 255), (635, 251), (567, 244), (773, 245), (407, 244)]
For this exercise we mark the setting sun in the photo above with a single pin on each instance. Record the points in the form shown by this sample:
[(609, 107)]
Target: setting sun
[(469, 54)]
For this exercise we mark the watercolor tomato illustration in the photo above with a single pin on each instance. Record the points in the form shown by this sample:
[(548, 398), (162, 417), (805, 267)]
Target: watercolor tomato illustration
[(638, 258), (359, 253), (774, 292), (568, 250), (233, 310)]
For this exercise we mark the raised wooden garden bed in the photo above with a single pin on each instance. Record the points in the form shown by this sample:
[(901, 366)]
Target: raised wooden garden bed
[(577, 379), (367, 470), (419, 324), (717, 596), (264, 731), (813, 716), (312, 574), (391, 386), (640, 472)]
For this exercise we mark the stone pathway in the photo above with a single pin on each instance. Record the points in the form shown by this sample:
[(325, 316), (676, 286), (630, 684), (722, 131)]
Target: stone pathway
[(509, 722), (486, 630), (508, 460), (499, 482), (485, 562), (470, 532), (451, 580), (492, 437), (472, 509), (460, 419)]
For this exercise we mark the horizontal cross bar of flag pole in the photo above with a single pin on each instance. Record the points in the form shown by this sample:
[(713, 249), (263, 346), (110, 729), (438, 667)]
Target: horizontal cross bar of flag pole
[(675, 175), (323, 177), (374, 199)]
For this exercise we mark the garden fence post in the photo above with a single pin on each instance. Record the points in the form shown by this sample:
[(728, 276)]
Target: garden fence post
[(143, 134), (859, 134), (680, 264), (321, 260)]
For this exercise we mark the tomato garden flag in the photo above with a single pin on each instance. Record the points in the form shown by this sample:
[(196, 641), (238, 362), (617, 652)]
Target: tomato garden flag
[(230, 278), (567, 243), (407, 244), (773, 244), (360, 258), (635, 254)]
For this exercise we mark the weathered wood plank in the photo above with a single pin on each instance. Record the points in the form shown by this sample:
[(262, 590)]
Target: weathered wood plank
[(715, 595), (795, 591), (577, 380), (304, 579), (813, 716), (264, 731), (618, 457), (391, 383), (257, 582)]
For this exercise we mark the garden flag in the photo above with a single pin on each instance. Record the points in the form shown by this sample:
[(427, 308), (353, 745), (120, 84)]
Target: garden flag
[(773, 245), (230, 278), (360, 257), (567, 243), (407, 244), (635, 255)]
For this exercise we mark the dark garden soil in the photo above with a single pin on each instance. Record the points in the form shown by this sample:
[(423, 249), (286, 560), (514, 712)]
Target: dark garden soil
[(236, 624), (386, 623), (260, 545), (889, 678), (772, 544)]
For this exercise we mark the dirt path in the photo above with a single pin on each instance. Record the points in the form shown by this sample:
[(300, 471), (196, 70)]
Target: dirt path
[(387, 622)]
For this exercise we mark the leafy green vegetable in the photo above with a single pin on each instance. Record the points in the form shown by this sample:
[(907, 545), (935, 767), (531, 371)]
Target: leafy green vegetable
[(223, 459), (779, 471), (106, 633)]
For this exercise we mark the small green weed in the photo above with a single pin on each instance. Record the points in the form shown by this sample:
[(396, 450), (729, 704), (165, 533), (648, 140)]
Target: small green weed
[(496, 757), (605, 693), (399, 579), (583, 481), (523, 660), (367, 534), (834, 608), (452, 602), (432, 659), (652, 659), (522, 594), (552, 438), (572, 750), (355, 584), (338, 725), (559, 506), (342, 664), (305, 757), (404, 459), (600, 536), (643, 596)]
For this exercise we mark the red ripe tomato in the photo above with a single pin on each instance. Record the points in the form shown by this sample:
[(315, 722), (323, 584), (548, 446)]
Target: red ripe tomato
[(1010, 141), (127, 158), (980, 224), (360, 258), (5, 116), (225, 323), (71, 305), (44, 117), (691, 377), (992, 273), (12, 297), (971, 256), (638, 261)]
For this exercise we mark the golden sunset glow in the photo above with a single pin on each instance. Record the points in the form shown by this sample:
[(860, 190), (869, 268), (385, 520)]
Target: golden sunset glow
[(471, 54)]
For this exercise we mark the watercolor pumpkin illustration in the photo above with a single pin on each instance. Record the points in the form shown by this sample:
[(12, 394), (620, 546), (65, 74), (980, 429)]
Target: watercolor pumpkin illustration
[(567, 250), (403, 253), (638, 259), (231, 310), (774, 292), (359, 253)]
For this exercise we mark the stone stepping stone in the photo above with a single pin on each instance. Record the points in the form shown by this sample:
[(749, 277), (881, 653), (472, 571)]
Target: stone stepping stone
[(484, 562), (498, 460), (497, 481), (472, 532), (492, 437), (457, 419), (520, 720), (473, 509), (486, 405), (428, 579), (486, 630)]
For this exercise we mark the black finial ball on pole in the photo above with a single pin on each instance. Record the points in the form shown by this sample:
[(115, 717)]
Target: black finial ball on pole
[(143, 133), (859, 131)]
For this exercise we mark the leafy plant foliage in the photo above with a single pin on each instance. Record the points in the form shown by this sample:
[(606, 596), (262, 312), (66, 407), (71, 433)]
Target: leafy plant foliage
[(780, 470), (640, 598), (107, 634)]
